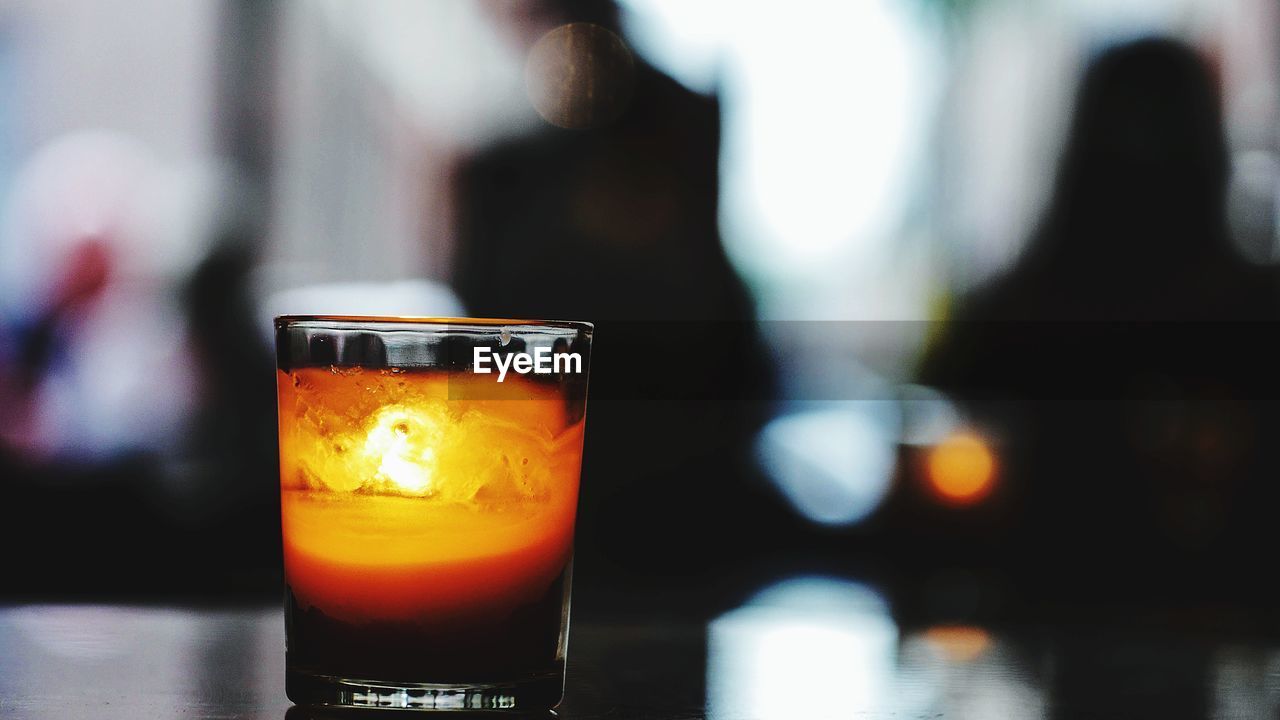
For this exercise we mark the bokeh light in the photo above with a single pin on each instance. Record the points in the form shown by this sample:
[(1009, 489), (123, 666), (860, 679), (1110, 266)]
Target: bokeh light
[(961, 469), (834, 462), (958, 643), (806, 647), (579, 76)]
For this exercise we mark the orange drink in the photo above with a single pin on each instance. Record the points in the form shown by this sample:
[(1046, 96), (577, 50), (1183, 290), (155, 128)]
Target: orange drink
[(427, 511)]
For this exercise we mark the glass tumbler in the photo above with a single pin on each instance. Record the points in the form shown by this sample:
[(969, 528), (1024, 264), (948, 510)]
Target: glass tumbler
[(429, 474)]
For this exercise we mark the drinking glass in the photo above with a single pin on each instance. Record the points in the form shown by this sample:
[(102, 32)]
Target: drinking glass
[(429, 473)]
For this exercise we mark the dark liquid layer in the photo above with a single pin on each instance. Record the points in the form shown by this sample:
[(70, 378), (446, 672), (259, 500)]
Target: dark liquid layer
[(524, 644)]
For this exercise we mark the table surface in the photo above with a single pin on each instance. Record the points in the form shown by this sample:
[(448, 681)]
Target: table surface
[(810, 649)]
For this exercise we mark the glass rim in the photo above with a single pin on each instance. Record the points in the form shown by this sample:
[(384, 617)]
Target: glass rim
[(356, 322)]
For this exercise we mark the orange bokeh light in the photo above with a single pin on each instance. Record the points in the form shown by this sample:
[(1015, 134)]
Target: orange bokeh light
[(961, 469), (958, 643)]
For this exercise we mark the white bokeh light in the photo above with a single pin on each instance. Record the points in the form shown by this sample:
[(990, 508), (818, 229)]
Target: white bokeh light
[(825, 109), (833, 461), (804, 648)]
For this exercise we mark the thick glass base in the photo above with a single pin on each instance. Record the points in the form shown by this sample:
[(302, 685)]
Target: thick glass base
[(525, 696)]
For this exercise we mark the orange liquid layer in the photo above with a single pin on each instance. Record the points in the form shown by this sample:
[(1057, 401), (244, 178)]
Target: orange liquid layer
[(471, 517), (381, 558)]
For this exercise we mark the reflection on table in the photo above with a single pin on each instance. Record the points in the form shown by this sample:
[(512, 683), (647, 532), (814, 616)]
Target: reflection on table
[(812, 647)]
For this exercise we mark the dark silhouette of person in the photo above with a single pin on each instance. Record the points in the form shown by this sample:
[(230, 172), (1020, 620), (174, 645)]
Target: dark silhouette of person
[(230, 505), (616, 223), (1125, 358)]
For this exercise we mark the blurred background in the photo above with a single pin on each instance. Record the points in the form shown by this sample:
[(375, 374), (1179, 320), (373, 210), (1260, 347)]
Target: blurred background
[(968, 303)]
